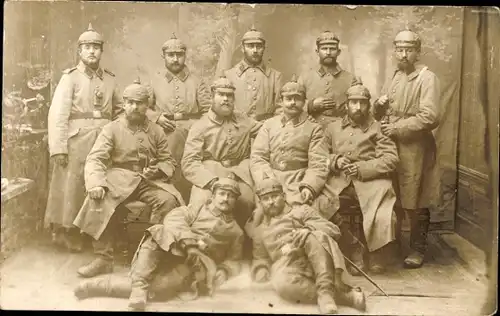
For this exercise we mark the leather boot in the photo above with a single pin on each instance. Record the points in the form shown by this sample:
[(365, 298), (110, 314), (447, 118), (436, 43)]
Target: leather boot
[(420, 221), (357, 254), (104, 286), (324, 272), (378, 260), (348, 295), (141, 273), (349, 243), (96, 267)]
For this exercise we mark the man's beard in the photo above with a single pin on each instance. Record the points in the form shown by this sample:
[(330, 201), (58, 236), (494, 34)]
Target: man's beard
[(328, 61), (136, 118), (358, 118), (92, 63), (174, 68), (253, 59)]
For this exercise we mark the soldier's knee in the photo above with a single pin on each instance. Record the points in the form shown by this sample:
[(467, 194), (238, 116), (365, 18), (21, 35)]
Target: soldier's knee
[(294, 287)]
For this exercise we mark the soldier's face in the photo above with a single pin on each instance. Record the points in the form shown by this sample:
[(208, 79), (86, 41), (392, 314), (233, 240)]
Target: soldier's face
[(90, 54), (357, 109), (328, 54), (253, 52), (174, 61), (135, 110), (224, 200), (223, 103), (273, 203), (406, 56), (293, 105)]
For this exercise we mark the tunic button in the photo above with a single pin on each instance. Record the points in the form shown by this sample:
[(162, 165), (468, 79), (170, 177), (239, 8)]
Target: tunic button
[(140, 140), (351, 134), (254, 88), (255, 98), (254, 79), (349, 153), (327, 83), (394, 91), (176, 88), (253, 70), (176, 96)]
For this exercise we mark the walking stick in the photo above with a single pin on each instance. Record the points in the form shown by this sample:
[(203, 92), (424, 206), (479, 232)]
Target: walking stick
[(365, 275)]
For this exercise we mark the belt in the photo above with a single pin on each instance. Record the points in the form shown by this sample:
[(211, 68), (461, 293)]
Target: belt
[(228, 162), (132, 166), (182, 116), (289, 165), (263, 117), (90, 115)]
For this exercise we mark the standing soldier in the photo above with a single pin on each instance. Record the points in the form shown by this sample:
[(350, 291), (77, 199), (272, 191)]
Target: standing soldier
[(84, 101), (409, 111), (218, 145), (257, 84), (178, 98), (292, 149), (326, 86)]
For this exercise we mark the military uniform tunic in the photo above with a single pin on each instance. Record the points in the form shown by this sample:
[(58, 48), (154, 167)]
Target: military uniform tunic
[(84, 101), (216, 147), (376, 157), (414, 101), (293, 152), (257, 89), (321, 83)]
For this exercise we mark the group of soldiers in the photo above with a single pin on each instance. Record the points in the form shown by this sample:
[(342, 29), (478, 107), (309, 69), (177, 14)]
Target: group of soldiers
[(249, 164)]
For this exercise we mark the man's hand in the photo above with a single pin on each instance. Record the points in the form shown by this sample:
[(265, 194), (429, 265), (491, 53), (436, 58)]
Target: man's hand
[(322, 103), (342, 162), (192, 253), (168, 125), (61, 159), (151, 172), (307, 195), (97, 193), (220, 277), (351, 170), (262, 275), (388, 129), (383, 100)]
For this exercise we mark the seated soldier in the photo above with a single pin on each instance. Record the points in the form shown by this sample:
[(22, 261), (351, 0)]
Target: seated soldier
[(295, 247), (130, 161), (219, 144), (362, 159), (195, 249)]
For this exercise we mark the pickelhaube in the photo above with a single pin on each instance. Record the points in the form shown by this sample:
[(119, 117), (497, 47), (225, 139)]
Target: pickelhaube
[(327, 37), (90, 36), (224, 84), (229, 183), (173, 45), (357, 91), (136, 91), (407, 38), (268, 185), (253, 36), (292, 88)]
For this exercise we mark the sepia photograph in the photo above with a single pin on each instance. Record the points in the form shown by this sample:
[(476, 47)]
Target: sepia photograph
[(250, 158)]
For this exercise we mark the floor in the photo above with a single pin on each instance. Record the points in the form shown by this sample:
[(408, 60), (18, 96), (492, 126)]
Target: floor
[(451, 283)]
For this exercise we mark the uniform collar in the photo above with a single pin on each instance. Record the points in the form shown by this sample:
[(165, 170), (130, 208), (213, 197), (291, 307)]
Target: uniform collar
[(414, 74), (364, 127), (296, 120), (181, 75), (243, 66), (88, 71), (144, 127), (334, 72), (219, 120), (227, 217)]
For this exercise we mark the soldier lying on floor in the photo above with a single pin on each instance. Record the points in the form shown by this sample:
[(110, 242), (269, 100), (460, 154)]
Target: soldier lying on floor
[(296, 249), (193, 252)]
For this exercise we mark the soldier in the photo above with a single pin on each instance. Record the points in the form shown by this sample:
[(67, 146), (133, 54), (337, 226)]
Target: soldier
[(130, 161), (219, 144), (326, 86), (296, 249), (362, 161), (178, 99), (196, 249), (84, 101), (409, 111), (292, 149), (257, 84)]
